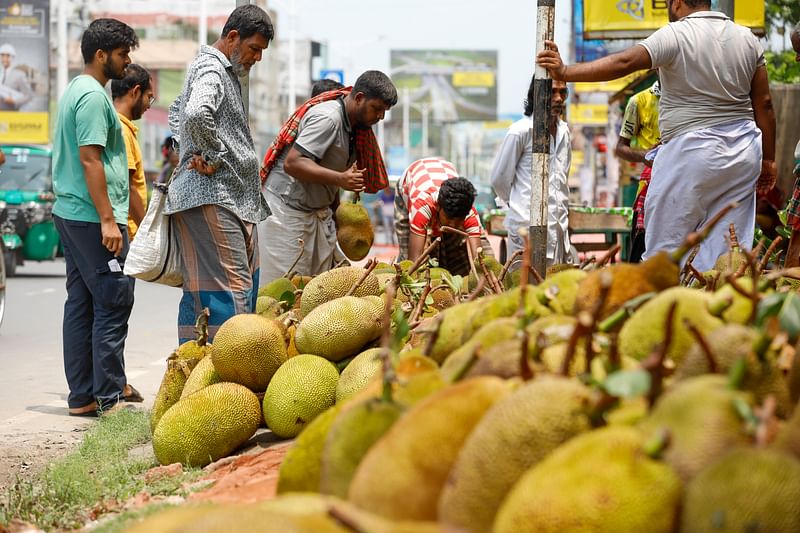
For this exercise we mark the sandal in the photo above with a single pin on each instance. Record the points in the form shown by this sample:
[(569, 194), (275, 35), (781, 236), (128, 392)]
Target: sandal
[(88, 410), (130, 394)]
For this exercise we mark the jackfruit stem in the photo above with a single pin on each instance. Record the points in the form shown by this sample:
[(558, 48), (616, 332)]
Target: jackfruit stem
[(389, 376), (468, 364), (201, 327), (686, 272), (733, 243), (614, 361), (655, 363), (627, 309), (704, 347), (720, 306), (424, 256), (347, 522), (655, 446), (437, 326), (371, 264), (609, 255), (752, 258), (761, 345), (508, 264), (488, 274), (586, 262), (696, 237), (478, 289), (525, 370), (768, 427), (538, 277), (696, 274), (791, 273), (583, 324), (606, 280), (737, 373), (424, 296), (302, 244)]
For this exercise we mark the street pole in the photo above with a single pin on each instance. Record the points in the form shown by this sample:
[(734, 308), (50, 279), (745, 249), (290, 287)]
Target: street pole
[(727, 7), (540, 171), (63, 60), (292, 43), (202, 24), (245, 81)]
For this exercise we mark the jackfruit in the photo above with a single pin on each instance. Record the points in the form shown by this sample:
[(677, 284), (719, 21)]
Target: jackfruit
[(207, 425), (746, 490), (403, 474), (516, 433), (358, 374), (703, 422), (561, 290), (248, 349), (171, 388), (598, 481), (277, 288), (201, 377), (732, 262), (788, 439), (301, 389), (454, 323), (644, 331), (334, 284), (268, 307), (488, 335), (170, 519), (354, 230), (505, 305), (738, 312), (340, 328)]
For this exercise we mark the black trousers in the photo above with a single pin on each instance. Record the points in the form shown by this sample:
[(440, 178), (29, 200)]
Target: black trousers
[(99, 303)]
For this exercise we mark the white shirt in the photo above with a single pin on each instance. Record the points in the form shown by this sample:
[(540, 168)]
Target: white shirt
[(706, 65), (511, 180)]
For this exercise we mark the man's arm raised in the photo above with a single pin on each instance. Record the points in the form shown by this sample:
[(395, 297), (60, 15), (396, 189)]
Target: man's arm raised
[(604, 69)]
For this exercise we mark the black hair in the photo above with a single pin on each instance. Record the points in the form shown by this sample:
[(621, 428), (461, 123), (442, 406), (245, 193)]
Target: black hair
[(248, 20), (456, 197), (323, 86), (106, 35), (376, 84), (697, 3), (134, 75), (528, 103)]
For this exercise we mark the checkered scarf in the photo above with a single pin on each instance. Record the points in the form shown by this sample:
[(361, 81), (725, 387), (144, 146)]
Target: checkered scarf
[(368, 153)]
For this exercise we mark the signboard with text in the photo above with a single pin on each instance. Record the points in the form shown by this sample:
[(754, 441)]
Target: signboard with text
[(24, 71)]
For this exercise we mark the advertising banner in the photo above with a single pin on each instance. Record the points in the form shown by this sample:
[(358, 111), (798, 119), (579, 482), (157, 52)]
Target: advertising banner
[(637, 19), (457, 84), (24, 71)]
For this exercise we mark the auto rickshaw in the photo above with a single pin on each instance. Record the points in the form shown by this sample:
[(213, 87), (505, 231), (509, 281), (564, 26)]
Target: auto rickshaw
[(26, 206)]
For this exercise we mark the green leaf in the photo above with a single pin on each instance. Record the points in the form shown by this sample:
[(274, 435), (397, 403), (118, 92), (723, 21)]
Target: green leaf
[(789, 316), (401, 328), (288, 297), (429, 300), (628, 383), (770, 305)]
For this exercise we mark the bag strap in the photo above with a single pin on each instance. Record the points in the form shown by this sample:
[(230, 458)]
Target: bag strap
[(164, 185)]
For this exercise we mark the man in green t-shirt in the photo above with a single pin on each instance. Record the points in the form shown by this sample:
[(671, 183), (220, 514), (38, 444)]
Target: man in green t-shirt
[(90, 180)]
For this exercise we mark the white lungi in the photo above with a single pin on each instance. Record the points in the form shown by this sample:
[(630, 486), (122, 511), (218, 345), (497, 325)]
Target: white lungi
[(278, 246), (697, 175)]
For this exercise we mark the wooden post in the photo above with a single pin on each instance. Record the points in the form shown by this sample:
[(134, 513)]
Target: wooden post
[(540, 171)]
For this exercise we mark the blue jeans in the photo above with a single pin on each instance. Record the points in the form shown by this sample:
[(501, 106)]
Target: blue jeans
[(99, 303)]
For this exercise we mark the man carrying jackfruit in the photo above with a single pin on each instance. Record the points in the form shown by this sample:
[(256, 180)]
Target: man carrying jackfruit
[(326, 145), (431, 195)]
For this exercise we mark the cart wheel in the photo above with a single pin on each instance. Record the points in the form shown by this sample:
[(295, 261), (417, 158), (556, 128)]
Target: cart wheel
[(2, 286), (10, 263), (503, 251)]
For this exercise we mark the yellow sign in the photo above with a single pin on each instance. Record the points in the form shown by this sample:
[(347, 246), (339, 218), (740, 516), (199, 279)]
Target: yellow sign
[(613, 86), (577, 162), (497, 124), (473, 79), (635, 19), (22, 127), (588, 114)]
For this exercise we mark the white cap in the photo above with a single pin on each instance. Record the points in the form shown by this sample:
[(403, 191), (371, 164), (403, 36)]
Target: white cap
[(8, 49)]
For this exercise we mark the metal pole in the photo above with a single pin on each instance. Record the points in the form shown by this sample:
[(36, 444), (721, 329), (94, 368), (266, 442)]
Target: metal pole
[(292, 44), (202, 24), (727, 7), (63, 60), (245, 82), (540, 171)]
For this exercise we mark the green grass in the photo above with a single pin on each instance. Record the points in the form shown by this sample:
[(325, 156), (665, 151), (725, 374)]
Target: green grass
[(99, 474)]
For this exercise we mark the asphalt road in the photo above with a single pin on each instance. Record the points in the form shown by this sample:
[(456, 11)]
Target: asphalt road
[(32, 384)]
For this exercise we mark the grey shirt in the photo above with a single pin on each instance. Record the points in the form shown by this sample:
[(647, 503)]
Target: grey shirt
[(209, 118), (706, 65), (324, 135)]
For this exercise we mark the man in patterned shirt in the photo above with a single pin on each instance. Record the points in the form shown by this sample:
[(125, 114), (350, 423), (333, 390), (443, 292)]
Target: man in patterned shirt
[(793, 209), (215, 194), (431, 195)]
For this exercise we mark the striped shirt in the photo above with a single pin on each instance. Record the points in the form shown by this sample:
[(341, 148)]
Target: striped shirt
[(420, 186)]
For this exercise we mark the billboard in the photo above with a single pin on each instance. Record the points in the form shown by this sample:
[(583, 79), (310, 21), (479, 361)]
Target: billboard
[(635, 19), (24, 71), (456, 84)]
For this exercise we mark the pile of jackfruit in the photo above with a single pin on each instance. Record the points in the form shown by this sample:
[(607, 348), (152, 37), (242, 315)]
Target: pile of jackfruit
[(621, 398)]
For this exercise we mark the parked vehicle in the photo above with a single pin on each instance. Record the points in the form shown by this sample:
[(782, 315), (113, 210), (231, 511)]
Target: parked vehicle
[(26, 206), (2, 284)]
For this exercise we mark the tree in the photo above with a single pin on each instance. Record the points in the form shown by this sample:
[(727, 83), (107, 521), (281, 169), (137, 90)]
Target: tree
[(781, 13)]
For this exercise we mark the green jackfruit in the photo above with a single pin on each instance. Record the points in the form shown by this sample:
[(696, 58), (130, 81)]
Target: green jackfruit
[(334, 284), (358, 374), (171, 388), (340, 328), (201, 377), (354, 230), (561, 289)]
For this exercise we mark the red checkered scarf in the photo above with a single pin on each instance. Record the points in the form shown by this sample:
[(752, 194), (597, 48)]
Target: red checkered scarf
[(368, 153)]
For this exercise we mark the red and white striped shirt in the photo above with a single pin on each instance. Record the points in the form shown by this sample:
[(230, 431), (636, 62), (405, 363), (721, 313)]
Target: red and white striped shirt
[(420, 185)]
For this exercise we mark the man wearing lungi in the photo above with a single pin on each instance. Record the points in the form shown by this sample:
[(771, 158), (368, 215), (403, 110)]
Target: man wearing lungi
[(793, 209), (215, 197), (716, 120)]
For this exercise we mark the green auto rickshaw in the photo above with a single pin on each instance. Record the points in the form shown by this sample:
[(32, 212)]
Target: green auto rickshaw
[(26, 206)]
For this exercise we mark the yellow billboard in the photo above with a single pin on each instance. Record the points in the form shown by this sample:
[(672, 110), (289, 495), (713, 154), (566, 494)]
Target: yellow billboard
[(588, 114), (636, 19), (22, 127)]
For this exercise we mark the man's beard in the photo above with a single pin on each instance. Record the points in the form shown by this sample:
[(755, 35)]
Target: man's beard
[(236, 64), (671, 15), (138, 109), (109, 73)]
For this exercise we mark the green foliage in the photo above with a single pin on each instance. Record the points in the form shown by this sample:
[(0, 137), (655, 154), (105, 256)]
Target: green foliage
[(779, 13), (782, 67)]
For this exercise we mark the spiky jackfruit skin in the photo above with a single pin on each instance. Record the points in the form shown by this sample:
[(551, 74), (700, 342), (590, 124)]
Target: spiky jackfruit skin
[(627, 281), (730, 343), (357, 375), (702, 421), (491, 265), (645, 330), (276, 288), (170, 519), (334, 284), (561, 290), (488, 335), (340, 328), (301, 389), (207, 425), (403, 474), (731, 263), (268, 307), (555, 328), (351, 436), (741, 307), (248, 349), (503, 305), (516, 433), (598, 481), (788, 439), (172, 384), (354, 230), (748, 489), (300, 469), (454, 323), (203, 375)]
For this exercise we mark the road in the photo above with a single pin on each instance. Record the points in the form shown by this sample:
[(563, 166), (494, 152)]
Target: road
[(32, 384)]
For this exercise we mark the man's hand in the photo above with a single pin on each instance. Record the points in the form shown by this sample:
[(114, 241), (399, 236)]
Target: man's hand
[(769, 173), (112, 237), (550, 59), (9, 101), (352, 179), (198, 163)]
